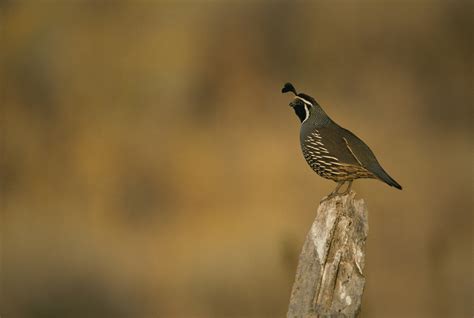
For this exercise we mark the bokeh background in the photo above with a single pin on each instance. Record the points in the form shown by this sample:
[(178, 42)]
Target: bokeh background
[(150, 166)]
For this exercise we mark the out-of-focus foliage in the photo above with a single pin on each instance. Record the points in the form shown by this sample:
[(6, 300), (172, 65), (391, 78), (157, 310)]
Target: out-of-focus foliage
[(151, 167)]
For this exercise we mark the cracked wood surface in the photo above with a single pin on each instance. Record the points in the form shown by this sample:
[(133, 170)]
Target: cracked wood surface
[(329, 279)]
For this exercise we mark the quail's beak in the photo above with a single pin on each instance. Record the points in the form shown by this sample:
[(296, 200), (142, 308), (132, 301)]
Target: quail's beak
[(292, 104)]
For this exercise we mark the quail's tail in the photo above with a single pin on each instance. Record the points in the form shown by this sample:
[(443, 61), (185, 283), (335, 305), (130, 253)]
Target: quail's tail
[(387, 179)]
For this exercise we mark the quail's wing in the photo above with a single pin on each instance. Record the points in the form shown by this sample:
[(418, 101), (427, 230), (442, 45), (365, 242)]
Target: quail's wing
[(366, 158), (341, 144), (351, 150), (358, 149)]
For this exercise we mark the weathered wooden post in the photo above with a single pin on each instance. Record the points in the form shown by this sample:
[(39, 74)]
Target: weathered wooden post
[(329, 278)]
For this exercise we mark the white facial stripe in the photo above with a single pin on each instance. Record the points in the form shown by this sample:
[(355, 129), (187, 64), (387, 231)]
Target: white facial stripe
[(304, 101), (306, 109)]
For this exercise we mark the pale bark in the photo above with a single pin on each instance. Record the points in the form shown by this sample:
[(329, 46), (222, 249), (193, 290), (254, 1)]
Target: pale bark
[(329, 279)]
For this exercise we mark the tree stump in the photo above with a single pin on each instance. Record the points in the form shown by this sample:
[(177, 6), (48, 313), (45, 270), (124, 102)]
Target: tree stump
[(329, 279)]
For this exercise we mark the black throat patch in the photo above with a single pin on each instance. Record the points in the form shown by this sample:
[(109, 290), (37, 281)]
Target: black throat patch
[(300, 111)]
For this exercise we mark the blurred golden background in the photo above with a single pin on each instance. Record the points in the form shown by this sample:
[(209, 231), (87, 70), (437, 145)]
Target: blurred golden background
[(150, 166)]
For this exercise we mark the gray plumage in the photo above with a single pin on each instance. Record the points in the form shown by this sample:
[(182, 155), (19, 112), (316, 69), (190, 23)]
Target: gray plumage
[(331, 151)]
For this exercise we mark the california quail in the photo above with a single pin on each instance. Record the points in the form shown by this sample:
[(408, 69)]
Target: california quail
[(330, 150)]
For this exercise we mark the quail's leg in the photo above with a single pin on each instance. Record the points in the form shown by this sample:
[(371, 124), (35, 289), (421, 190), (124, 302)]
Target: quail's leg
[(335, 192), (348, 190), (339, 184)]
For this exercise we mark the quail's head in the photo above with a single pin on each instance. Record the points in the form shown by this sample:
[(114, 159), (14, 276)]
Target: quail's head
[(302, 103)]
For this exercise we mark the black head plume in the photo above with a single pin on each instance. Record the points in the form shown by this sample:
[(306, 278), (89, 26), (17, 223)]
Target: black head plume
[(289, 88)]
